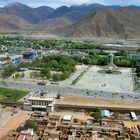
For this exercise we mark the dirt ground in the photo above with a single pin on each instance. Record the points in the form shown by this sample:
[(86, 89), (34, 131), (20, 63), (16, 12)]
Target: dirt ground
[(94, 102), (13, 122), (131, 124), (79, 115)]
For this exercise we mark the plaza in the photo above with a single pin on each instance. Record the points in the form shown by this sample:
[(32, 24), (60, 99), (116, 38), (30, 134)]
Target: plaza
[(94, 80)]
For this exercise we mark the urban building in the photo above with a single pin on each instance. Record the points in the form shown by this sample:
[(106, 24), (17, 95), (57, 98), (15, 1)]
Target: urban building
[(4, 60), (40, 103), (28, 55), (16, 59), (26, 135)]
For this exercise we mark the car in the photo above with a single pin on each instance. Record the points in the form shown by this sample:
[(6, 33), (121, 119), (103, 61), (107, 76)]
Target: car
[(41, 83)]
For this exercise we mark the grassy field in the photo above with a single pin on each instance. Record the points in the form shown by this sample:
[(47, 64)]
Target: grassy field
[(11, 94)]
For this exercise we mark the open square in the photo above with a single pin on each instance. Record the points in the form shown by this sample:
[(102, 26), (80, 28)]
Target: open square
[(107, 82)]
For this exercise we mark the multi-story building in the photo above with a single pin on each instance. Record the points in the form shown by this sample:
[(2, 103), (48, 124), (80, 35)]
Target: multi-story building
[(40, 103)]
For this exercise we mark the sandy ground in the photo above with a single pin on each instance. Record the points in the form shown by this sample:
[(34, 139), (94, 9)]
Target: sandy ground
[(13, 122), (79, 115), (107, 82), (131, 124)]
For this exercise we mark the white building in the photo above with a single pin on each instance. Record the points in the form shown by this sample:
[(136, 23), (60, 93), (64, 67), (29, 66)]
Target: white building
[(40, 103)]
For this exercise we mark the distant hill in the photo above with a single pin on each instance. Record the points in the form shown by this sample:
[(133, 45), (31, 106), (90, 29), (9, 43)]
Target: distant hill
[(35, 15), (12, 23), (44, 12), (106, 23), (77, 12), (51, 24), (32, 15)]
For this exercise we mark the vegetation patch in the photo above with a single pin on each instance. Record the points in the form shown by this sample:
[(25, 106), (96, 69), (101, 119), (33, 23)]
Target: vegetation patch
[(11, 94), (79, 77), (109, 72)]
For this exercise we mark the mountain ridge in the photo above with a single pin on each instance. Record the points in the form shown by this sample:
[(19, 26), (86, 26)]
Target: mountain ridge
[(84, 20), (106, 23)]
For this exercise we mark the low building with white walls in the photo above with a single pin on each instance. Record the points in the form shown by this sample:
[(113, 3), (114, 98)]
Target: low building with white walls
[(39, 103)]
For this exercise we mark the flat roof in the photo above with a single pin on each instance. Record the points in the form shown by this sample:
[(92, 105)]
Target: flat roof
[(105, 113), (67, 117), (41, 98), (38, 106), (133, 115), (83, 101)]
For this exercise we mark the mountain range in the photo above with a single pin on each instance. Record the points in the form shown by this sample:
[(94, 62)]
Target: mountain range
[(106, 23), (75, 21)]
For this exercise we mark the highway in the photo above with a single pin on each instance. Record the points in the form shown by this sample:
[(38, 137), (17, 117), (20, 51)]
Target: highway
[(53, 90)]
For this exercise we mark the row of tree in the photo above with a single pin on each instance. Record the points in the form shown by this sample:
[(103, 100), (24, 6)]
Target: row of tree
[(104, 60), (62, 65)]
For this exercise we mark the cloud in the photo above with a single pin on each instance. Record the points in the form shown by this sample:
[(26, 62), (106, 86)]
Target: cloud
[(57, 3)]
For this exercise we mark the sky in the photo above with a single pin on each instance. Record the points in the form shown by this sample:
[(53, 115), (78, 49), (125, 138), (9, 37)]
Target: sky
[(57, 3)]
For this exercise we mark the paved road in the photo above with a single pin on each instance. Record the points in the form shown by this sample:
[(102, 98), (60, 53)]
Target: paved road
[(53, 90)]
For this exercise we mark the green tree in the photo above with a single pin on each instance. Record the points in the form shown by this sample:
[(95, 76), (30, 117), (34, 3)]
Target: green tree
[(31, 124), (97, 114), (58, 96), (102, 60), (88, 61), (116, 114), (54, 64), (17, 75), (56, 77), (65, 75), (8, 71), (45, 72), (24, 65), (35, 74)]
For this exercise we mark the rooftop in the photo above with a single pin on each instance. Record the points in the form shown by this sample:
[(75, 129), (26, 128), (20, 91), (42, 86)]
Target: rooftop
[(15, 56), (67, 117), (41, 98), (95, 102), (105, 113)]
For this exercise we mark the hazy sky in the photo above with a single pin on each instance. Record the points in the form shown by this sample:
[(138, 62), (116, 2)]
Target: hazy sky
[(57, 3)]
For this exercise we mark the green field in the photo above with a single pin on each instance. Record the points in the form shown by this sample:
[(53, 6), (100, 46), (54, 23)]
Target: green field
[(11, 94)]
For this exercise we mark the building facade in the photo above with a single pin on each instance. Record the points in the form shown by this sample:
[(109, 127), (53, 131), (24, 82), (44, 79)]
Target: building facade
[(39, 103)]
